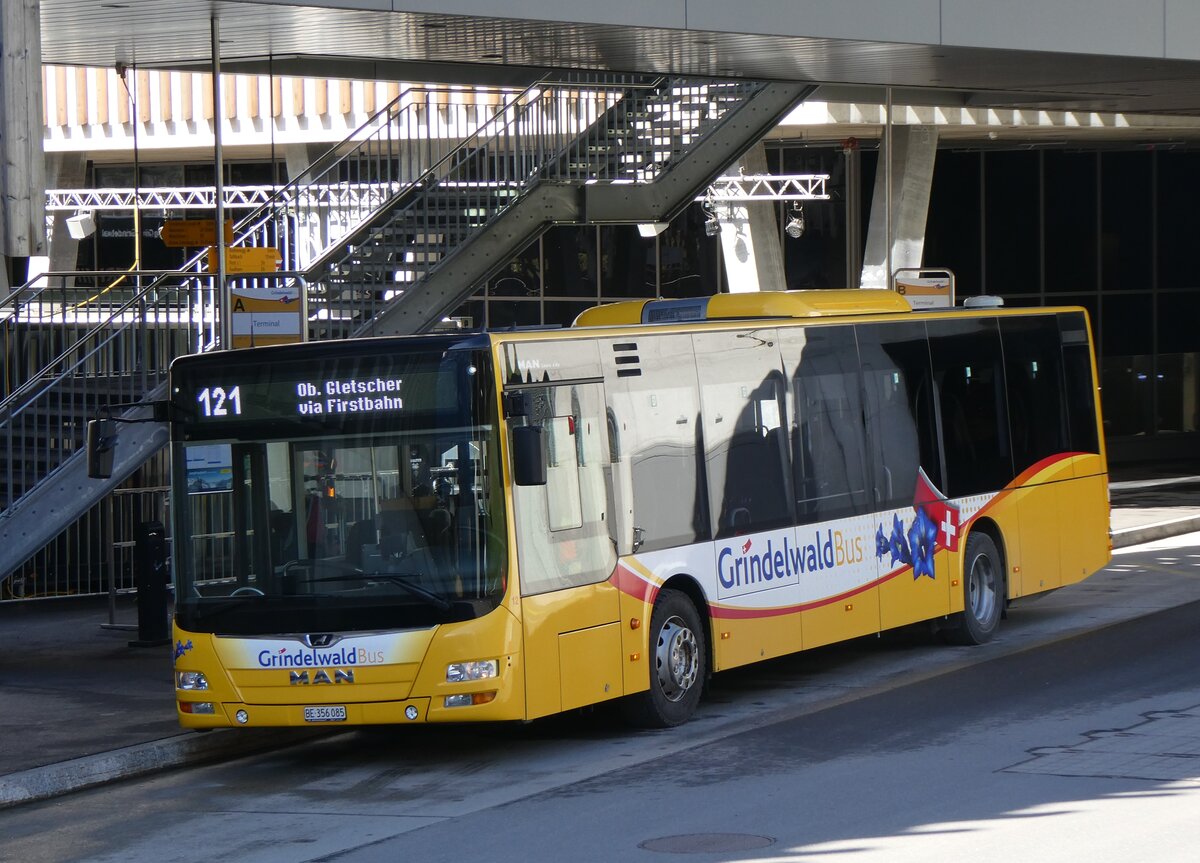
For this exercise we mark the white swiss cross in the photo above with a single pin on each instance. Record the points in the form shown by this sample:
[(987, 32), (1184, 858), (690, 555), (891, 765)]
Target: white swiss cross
[(949, 528)]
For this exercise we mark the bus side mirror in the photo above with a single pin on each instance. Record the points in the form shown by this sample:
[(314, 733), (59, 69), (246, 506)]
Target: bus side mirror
[(529, 455), (101, 448)]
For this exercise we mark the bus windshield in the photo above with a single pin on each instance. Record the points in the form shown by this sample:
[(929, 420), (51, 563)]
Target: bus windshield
[(336, 494)]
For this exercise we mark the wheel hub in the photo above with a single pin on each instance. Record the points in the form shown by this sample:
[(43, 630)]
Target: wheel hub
[(678, 659)]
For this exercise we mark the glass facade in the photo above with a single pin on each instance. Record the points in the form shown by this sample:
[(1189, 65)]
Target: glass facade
[(1109, 230), (1106, 229)]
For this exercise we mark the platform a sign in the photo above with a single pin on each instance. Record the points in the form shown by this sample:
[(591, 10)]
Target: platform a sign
[(266, 316)]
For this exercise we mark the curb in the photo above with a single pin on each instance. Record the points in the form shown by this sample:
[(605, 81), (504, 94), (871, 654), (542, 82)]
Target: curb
[(89, 771), (1151, 532)]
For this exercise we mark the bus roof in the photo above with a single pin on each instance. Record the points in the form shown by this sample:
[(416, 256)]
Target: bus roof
[(758, 304)]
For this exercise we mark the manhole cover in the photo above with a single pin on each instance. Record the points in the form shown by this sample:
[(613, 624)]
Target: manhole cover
[(707, 843)]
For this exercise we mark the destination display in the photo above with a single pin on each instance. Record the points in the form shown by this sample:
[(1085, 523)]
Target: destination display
[(212, 392), (229, 400)]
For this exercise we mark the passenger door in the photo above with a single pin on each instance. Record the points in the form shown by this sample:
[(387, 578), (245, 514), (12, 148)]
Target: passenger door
[(566, 555)]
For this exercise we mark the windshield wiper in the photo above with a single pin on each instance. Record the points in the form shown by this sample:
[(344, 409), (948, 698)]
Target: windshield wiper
[(400, 579), (214, 606)]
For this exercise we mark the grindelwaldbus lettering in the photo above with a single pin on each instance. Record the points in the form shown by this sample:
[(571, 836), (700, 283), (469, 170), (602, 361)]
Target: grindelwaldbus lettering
[(743, 564)]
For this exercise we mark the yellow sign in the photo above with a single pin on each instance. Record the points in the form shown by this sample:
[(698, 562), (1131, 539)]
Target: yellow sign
[(184, 233), (266, 316), (246, 259)]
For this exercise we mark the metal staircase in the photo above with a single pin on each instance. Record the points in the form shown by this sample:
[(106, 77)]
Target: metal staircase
[(409, 223), (559, 155)]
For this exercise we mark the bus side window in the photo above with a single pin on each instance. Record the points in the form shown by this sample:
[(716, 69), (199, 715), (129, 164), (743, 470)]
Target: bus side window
[(1034, 380), (828, 441), (1080, 386), (563, 538), (901, 430), (968, 369), (651, 387), (745, 441)]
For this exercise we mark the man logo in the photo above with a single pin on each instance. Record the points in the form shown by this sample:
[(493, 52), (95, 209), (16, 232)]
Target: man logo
[(321, 639), (340, 675)]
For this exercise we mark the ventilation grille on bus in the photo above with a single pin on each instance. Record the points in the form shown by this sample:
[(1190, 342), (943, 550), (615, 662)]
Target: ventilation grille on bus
[(627, 360)]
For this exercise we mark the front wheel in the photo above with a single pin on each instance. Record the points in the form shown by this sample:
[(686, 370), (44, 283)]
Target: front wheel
[(983, 593), (678, 660)]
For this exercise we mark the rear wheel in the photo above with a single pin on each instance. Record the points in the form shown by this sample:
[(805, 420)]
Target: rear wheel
[(983, 593), (678, 660)]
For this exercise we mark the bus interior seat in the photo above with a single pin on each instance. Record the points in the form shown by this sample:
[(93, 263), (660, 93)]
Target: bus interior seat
[(402, 540), (282, 526), (361, 534)]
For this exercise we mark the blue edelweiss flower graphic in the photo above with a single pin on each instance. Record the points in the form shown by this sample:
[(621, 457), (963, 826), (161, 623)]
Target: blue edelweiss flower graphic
[(922, 539), (181, 648), (882, 546), (899, 546)]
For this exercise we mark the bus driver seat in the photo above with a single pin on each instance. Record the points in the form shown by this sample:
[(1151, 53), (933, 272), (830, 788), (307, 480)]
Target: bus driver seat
[(401, 537)]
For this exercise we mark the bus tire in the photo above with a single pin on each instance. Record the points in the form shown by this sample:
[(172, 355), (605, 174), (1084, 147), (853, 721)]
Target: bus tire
[(678, 662), (983, 593)]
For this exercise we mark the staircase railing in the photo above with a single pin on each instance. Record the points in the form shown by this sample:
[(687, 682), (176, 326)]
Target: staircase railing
[(604, 131), (61, 330), (388, 206)]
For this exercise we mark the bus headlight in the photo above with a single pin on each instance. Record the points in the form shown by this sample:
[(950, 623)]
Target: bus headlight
[(190, 680), (480, 669)]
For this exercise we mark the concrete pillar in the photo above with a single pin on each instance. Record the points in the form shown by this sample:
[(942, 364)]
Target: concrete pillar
[(22, 173), (750, 236), (853, 158), (299, 158), (311, 236), (64, 171), (913, 151)]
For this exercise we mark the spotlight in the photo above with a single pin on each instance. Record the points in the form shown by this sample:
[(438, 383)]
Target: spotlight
[(711, 226), (81, 225), (795, 225)]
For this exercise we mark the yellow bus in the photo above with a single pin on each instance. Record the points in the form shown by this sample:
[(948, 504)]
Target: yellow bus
[(506, 525)]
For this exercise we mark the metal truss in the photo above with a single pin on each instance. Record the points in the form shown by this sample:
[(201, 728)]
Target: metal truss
[(205, 197), (767, 187)]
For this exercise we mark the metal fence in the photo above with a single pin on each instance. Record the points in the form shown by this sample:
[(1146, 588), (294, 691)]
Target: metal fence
[(95, 555)]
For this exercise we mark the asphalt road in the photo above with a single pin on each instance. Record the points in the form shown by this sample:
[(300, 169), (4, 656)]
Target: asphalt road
[(896, 749)]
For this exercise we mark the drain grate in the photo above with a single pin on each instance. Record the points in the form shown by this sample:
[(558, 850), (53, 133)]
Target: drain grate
[(707, 843)]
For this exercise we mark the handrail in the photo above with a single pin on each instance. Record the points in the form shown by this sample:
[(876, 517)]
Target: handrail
[(246, 227), (586, 127), (557, 135), (322, 163), (133, 332), (524, 104), (254, 213), (6, 402)]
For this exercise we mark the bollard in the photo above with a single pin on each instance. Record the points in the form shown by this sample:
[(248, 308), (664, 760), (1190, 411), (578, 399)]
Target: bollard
[(150, 574)]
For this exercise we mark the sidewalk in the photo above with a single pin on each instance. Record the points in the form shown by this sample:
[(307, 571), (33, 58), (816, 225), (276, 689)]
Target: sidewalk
[(1147, 505), (80, 707)]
